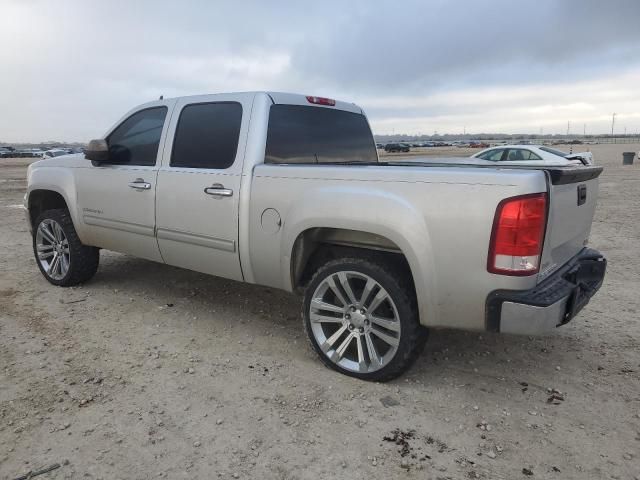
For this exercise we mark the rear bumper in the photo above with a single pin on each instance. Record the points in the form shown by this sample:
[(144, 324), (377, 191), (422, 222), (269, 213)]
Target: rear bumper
[(551, 303)]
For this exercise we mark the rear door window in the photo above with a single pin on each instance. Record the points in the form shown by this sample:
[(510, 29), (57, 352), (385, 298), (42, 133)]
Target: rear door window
[(518, 154), (301, 134), (207, 135), (494, 155)]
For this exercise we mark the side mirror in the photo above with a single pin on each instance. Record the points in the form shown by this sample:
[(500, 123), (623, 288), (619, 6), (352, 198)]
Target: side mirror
[(97, 151)]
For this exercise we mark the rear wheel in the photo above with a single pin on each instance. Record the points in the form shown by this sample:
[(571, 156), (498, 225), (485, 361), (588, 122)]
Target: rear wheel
[(361, 318), (61, 256)]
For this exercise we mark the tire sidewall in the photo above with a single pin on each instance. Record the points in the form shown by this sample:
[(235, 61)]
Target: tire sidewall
[(58, 217), (407, 312)]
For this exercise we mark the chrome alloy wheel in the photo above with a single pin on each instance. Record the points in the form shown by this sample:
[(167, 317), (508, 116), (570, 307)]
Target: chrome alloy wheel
[(52, 248), (355, 322)]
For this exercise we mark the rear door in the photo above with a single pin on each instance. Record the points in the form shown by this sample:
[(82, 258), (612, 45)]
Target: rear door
[(572, 202), (199, 184)]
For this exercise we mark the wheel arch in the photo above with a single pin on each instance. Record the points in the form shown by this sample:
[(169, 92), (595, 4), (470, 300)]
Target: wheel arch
[(51, 187), (40, 200), (315, 246)]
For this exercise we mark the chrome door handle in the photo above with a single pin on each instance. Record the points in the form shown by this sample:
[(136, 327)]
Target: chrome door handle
[(140, 184), (218, 190)]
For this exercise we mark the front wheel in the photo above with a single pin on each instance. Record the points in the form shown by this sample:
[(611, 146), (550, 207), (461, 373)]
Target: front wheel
[(361, 318), (61, 256)]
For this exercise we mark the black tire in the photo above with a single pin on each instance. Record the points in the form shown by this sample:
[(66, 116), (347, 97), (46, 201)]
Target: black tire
[(397, 283), (83, 260)]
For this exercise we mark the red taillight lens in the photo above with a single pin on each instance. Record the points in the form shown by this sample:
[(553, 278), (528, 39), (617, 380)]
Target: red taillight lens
[(518, 233), (322, 101)]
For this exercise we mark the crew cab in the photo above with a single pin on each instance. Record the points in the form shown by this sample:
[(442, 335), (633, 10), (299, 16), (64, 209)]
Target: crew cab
[(287, 191)]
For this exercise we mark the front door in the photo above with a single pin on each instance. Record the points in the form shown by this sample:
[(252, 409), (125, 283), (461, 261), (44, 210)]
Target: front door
[(116, 200), (199, 185)]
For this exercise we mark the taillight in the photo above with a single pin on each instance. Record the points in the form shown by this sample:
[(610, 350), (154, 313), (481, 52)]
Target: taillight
[(517, 236), (322, 101)]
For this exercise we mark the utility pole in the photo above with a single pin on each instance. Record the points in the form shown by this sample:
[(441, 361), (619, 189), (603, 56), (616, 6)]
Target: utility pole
[(613, 122), (584, 130), (568, 127)]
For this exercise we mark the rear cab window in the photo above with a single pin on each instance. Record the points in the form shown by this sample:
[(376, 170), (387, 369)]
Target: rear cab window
[(299, 134)]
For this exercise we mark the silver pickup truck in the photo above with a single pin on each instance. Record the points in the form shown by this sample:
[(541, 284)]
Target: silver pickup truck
[(287, 191)]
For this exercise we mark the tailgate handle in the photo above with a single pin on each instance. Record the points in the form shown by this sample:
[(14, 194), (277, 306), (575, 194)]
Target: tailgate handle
[(582, 194)]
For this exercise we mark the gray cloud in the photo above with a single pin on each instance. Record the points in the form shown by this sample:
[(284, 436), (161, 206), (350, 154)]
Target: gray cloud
[(72, 68), (410, 45)]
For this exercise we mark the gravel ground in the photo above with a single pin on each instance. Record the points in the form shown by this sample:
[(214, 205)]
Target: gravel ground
[(150, 371)]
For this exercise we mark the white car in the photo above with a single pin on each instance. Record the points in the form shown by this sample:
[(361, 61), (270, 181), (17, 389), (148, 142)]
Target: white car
[(56, 152), (542, 155)]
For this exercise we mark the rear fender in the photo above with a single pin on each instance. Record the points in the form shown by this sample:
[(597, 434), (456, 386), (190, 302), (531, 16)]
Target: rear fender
[(371, 211)]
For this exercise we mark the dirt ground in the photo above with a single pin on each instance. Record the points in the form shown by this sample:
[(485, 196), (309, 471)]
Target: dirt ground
[(150, 371)]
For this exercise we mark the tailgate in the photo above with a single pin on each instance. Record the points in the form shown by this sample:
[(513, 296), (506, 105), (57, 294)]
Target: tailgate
[(572, 203)]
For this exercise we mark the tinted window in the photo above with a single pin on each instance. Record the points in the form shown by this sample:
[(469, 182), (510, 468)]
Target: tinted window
[(299, 134), (136, 140), (207, 135), (493, 155)]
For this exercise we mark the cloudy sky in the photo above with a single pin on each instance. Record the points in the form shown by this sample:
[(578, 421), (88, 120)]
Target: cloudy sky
[(71, 68)]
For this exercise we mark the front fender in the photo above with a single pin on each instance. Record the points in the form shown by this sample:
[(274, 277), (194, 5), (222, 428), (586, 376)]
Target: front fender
[(372, 211), (56, 179)]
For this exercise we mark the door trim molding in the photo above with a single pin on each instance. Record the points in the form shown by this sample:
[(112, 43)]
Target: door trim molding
[(196, 239), (118, 225)]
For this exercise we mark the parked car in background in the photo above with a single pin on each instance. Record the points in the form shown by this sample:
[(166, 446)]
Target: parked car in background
[(28, 153), (514, 154), (56, 152), (396, 147), (37, 153), (6, 152)]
